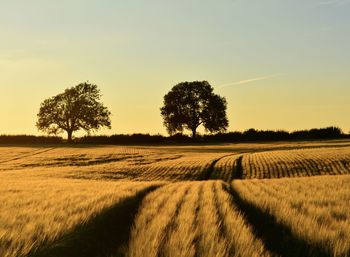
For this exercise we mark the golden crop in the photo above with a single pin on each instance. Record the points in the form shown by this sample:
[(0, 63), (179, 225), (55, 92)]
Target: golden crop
[(47, 194), (192, 219), (108, 163), (316, 210), (226, 168), (34, 213), (297, 163)]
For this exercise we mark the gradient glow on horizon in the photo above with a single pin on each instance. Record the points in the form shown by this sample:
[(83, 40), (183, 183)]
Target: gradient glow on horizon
[(280, 64)]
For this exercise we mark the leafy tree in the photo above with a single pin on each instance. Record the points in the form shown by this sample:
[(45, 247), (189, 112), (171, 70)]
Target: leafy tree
[(76, 108), (191, 104)]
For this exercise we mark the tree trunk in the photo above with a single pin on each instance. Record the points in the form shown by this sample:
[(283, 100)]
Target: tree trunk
[(69, 137), (194, 133)]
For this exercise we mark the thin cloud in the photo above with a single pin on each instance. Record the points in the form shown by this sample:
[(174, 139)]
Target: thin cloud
[(246, 81), (333, 2)]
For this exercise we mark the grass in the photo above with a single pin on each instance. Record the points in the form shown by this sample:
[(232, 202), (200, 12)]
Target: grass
[(315, 211)]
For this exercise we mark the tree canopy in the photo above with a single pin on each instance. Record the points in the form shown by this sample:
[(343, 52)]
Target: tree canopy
[(191, 104), (76, 108)]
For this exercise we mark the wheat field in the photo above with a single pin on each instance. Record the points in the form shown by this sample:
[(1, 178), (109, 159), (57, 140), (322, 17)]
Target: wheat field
[(192, 219), (36, 212), (226, 168), (316, 210), (268, 199), (108, 163), (297, 163)]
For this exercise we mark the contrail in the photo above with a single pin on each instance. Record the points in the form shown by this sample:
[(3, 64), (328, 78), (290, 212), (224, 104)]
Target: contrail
[(241, 82)]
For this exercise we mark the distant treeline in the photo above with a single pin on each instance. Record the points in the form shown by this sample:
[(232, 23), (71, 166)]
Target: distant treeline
[(250, 135), (27, 139)]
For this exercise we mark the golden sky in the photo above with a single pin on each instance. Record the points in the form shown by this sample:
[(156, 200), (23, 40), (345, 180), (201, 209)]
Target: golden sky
[(280, 64)]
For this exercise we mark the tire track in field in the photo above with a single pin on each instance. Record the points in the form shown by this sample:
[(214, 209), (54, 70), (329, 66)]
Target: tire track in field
[(105, 235), (207, 173), (237, 172), (152, 225), (28, 155), (237, 169), (277, 238)]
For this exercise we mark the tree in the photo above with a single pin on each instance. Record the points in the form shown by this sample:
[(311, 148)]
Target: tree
[(76, 108), (191, 104)]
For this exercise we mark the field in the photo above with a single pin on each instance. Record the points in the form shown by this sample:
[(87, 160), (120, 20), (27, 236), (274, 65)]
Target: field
[(313, 212), (35, 213), (268, 199), (297, 163), (190, 219)]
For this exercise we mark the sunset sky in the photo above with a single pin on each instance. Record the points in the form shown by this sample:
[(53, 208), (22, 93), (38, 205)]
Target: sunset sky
[(280, 64)]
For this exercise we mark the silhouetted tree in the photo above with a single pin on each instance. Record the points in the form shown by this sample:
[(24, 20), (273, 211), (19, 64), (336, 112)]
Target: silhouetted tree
[(76, 108), (191, 104)]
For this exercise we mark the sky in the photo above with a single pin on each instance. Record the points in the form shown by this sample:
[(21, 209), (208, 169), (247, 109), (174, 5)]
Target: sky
[(280, 64)]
